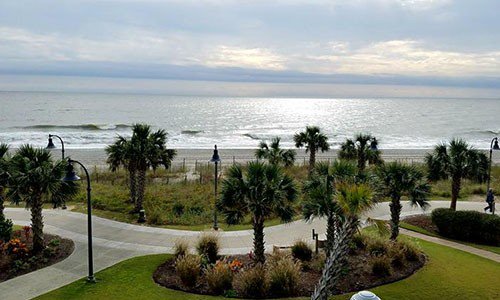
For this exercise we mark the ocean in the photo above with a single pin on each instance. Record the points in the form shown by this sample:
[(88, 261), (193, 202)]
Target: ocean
[(90, 121)]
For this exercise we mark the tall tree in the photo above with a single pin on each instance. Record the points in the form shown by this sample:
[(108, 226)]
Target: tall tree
[(353, 200), (123, 154), (274, 154), (35, 179), (152, 153), (456, 160), (362, 149), (397, 180), (4, 176), (261, 190), (319, 200), (313, 140)]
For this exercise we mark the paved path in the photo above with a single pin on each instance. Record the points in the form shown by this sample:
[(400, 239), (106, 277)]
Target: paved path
[(116, 241), (451, 244)]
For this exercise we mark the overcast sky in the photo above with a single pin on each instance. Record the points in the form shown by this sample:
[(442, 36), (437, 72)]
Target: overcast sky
[(433, 43)]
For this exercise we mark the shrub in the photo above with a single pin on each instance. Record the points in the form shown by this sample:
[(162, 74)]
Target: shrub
[(381, 266), (284, 275), (219, 277), (470, 226), (410, 250), (181, 248), (178, 209), (359, 241), (208, 246), (5, 229), (188, 269), (301, 251), (397, 255), (377, 246), (252, 283), (17, 249)]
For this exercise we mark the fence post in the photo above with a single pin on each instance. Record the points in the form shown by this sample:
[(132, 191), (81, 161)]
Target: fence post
[(184, 163)]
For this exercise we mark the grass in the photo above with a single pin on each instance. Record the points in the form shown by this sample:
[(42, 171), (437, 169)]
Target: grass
[(449, 274), (493, 249)]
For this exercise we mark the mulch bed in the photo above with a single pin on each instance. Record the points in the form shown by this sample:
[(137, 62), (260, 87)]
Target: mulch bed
[(358, 275), (57, 253), (422, 221)]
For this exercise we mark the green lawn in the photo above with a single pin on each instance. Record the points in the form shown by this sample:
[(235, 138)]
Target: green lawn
[(449, 274), (426, 232)]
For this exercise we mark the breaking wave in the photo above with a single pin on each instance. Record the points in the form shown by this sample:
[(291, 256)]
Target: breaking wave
[(89, 127)]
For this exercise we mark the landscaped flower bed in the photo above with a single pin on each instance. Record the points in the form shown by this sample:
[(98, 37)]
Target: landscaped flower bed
[(16, 257), (373, 261)]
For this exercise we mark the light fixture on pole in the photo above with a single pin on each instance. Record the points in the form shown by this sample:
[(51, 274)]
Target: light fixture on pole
[(51, 145), (493, 146), (71, 177), (215, 159)]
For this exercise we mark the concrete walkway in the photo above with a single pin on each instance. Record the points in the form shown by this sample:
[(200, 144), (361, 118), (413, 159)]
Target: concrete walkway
[(451, 244), (116, 241)]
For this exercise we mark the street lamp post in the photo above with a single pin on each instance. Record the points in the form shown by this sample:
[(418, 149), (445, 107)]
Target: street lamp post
[(51, 146), (493, 146), (71, 176), (215, 159)]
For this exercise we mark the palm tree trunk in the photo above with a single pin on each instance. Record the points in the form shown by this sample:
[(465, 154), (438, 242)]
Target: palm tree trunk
[(2, 199), (141, 187), (258, 239), (331, 232), (312, 160), (132, 172), (361, 161), (455, 191), (333, 266), (37, 224), (395, 207)]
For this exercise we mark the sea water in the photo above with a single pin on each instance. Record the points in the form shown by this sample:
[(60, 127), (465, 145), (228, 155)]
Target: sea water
[(94, 120)]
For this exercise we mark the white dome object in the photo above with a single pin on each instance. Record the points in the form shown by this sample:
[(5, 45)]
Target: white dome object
[(365, 295)]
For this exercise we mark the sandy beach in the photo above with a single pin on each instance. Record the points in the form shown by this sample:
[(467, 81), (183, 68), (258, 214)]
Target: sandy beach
[(189, 157)]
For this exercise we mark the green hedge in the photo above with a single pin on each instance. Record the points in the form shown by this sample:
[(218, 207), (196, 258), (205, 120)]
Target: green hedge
[(470, 226)]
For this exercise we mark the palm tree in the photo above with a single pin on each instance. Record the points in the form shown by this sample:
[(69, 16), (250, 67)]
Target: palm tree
[(151, 153), (319, 201), (36, 178), (362, 148), (353, 200), (274, 154), (397, 180), (314, 141), (457, 161), (262, 190), (4, 176), (123, 153)]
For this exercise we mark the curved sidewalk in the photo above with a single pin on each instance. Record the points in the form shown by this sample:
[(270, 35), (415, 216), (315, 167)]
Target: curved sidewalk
[(116, 241)]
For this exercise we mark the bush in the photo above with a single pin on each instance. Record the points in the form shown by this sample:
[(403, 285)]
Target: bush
[(219, 277), (410, 250), (208, 247), (359, 241), (301, 251), (5, 229), (284, 275), (188, 269), (397, 255), (252, 283), (381, 266), (181, 248), (178, 209), (377, 246), (470, 226)]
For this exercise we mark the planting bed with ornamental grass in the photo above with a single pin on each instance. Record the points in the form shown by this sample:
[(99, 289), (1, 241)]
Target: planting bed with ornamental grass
[(16, 257), (372, 261)]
